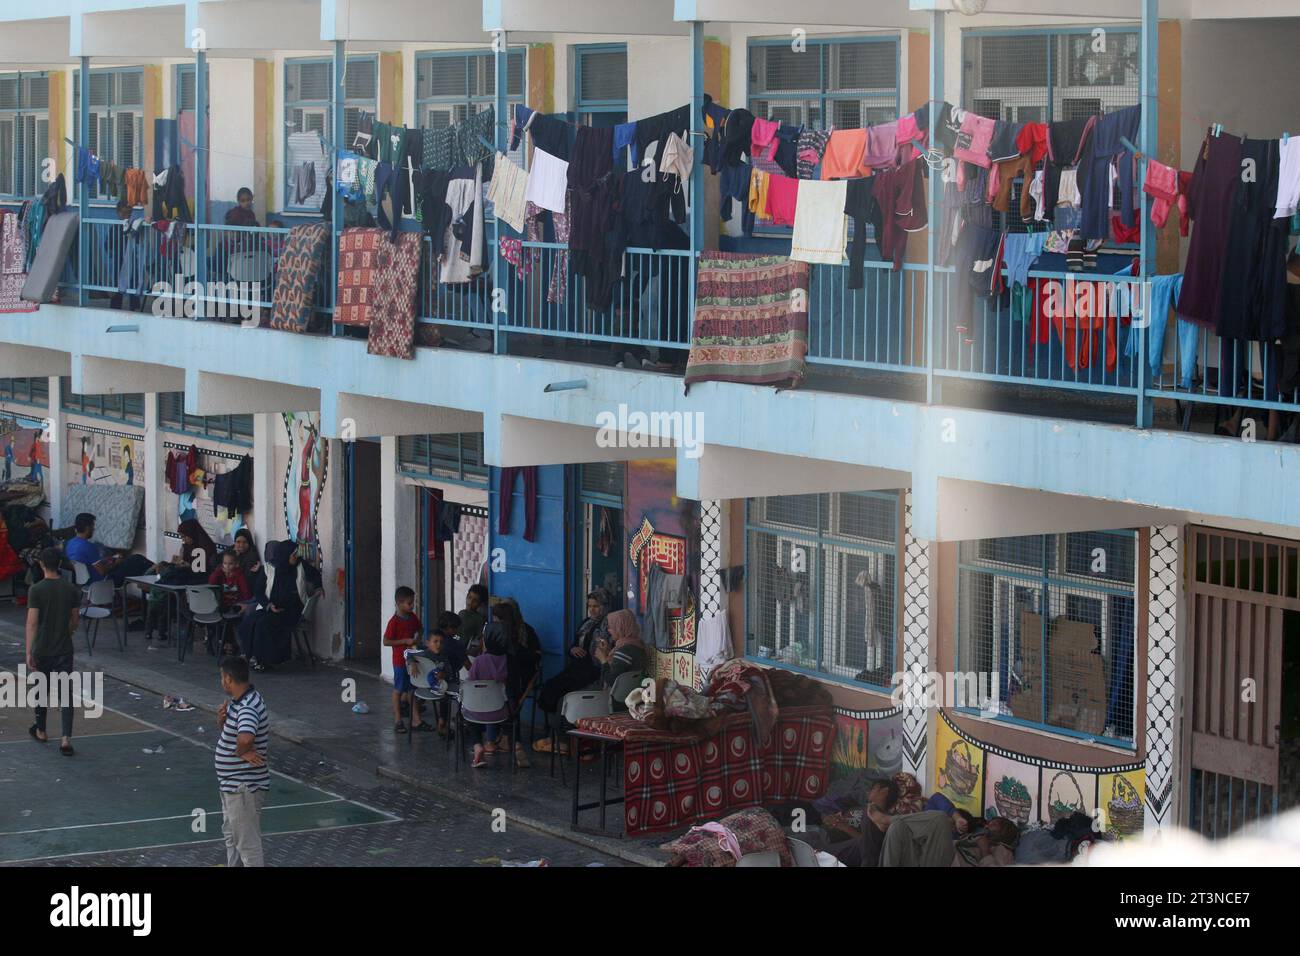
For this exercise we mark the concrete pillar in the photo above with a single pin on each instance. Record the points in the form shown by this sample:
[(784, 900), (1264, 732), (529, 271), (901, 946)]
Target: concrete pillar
[(399, 516), (266, 503), (55, 468), (154, 487)]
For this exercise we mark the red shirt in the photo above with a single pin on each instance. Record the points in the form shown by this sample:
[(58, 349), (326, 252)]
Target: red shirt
[(234, 589), (401, 629)]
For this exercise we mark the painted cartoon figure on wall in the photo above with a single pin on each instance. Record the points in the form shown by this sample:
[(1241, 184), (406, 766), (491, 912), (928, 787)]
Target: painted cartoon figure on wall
[(128, 464), (22, 448), (304, 479), (87, 460)]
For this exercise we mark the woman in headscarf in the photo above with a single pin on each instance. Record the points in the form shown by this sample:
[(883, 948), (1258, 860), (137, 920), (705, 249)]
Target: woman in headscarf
[(181, 568), (250, 562), (492, 664), (523, 654), (580, 667), (266, 635), (625, 650)]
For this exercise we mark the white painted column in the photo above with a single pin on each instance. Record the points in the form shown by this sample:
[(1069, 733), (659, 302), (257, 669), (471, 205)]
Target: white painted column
[(1162, 680), (154, 487), (399, 517), (916, 641), (266, 504), (55, 426)]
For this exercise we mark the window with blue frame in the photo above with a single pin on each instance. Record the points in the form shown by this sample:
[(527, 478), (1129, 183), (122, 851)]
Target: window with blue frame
[(599, 557), (456, 457), (116, 117), (186, 91), (600, 84), (1054, 618), (237, 429), (128, 409), (450, 86), (1043, 76), (845, 82), (26, 391), (821, 584), (308, 84), (24, 132)]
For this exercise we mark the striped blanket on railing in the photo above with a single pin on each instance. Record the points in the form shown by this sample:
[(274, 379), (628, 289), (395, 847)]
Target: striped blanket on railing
[(751, 320)]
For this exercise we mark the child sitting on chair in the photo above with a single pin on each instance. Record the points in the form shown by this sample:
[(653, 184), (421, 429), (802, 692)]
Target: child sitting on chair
[(442, 648)]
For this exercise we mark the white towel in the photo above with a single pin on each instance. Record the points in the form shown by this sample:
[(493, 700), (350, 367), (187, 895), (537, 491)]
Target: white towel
[(712, 643), (548, 179), (508, 192), (820, 228), (1288, 179)]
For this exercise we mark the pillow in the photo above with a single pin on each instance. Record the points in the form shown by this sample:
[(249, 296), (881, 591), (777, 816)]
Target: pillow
[(755, 829)]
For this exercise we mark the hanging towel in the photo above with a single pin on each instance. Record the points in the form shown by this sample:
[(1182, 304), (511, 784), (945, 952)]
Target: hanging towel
[(548, 180), (820, 227), (508, 192)]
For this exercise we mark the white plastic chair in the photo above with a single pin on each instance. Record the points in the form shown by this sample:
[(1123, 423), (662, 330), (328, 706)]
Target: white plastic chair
[(576, 705), (804, 854), (481, 696), (204, 609), (765, 858), (100, 597)]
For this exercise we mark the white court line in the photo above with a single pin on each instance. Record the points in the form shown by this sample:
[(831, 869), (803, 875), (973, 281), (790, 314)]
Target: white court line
[(55, 739), (160, 846), (179, 816)]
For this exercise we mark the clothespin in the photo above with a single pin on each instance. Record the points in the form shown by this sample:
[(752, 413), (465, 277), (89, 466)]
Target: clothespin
[(1218, 128)]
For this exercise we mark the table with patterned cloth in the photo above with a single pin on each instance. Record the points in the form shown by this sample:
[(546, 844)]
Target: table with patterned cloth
[(673, 780), (294, 301)]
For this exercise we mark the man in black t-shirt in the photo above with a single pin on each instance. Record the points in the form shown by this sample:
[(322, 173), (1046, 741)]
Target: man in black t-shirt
[(52, 612)]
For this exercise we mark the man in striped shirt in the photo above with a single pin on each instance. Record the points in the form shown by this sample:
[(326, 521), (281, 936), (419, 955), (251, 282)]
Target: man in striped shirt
[(241, 764)]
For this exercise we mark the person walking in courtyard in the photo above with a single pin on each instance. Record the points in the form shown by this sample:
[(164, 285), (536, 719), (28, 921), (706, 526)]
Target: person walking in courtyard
[(52, 615), (242, 773)]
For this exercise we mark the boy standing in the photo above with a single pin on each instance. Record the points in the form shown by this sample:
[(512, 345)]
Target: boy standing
[(403, 632), (444, 650)]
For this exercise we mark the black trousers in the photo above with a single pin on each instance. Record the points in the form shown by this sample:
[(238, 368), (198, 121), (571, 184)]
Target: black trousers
[(51, 666)]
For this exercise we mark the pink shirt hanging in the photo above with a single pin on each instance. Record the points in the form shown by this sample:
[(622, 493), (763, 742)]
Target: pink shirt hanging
[(882, 145), (782, 199), (974, 139)]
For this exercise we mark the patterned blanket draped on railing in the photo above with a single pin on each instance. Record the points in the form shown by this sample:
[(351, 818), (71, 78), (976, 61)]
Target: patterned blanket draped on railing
[(395, 291), (751, 320), (13, 264), (300, 269)]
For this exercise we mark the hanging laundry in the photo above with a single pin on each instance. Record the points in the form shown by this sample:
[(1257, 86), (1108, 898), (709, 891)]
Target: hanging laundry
[(1167, 187), (136, 182), (782, 199), (592, 157), (900, 203), (820, 227), (299, 268), (947, 124), (462, 257), (809, 150), (882, 145), (548, 181), (439, 148), (1288, 179), (395, 293), (974, 140), (1004, 144), (734, 185), (842, 158), (1252, 291), (762, 147), (508, 192), (476, 137), (860, 206), (758, 189), (1103, 147), (1209, 201)]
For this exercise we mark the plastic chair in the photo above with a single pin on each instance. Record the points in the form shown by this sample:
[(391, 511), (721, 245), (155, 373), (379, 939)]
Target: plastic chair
[(302, 630), (576, 705), (623, 685), (205, 610), (80, 575), (480, 696), (804, 854), (99, 605), (251, 267), (765, 858), (424, 667)]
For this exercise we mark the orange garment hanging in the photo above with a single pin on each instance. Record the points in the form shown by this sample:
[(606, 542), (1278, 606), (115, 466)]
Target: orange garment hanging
[(137, 187), (758, 183), (844, 152)]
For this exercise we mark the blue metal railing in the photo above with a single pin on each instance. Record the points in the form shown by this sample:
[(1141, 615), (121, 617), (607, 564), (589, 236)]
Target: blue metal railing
[(1095, 345)]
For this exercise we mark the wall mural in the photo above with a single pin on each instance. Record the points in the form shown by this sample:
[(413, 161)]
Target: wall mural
[(659, 527), (26, 456), (100, 456), (304, 479), (990, 781), (868, 740)]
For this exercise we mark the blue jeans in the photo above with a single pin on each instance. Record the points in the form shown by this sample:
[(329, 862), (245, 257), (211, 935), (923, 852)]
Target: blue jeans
[(1164, 294)]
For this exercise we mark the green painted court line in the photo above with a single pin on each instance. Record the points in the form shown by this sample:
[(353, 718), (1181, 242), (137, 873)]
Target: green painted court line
[(109, 781)]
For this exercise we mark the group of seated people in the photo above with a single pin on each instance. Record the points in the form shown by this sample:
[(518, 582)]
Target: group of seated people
[(264, 601), (938, 834), (468, 646)]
